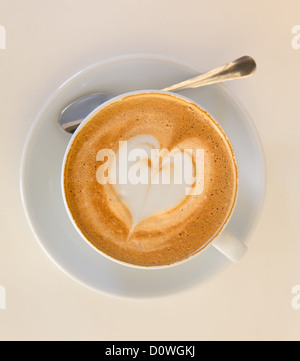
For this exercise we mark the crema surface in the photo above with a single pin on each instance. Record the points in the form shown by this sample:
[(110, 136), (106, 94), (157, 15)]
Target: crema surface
[(156, 225)]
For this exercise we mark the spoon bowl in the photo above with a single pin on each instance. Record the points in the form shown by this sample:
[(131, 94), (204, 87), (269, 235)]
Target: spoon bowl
[(73, 114)]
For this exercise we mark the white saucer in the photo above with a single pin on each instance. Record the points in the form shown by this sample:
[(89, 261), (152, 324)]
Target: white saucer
[(42, 160)]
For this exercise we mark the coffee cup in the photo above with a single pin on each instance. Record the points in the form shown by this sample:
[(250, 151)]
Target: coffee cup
[(150, 180)]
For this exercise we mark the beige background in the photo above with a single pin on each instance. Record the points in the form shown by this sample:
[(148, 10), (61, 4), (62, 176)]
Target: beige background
[(50, 40)]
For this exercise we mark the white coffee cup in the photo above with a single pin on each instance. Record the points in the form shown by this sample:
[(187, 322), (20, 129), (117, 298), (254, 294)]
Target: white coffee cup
[(225, 241)]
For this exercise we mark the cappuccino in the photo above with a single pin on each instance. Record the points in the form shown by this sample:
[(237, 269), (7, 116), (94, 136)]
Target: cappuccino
[(150, 179)]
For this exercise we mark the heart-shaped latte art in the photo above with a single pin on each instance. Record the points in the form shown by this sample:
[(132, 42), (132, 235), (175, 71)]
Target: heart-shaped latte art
[(149, 180), (135, 214)]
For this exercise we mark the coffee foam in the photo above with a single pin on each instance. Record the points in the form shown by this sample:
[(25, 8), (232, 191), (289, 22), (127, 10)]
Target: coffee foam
[(150, 226), (153, 194)]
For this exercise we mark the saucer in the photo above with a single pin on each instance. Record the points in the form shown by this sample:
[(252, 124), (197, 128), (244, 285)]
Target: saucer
[(41, 172)]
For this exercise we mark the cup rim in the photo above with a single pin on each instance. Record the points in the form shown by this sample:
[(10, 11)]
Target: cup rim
[(128, 264)]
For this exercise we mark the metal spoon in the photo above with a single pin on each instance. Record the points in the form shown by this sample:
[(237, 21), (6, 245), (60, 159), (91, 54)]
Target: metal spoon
[(72, 115)]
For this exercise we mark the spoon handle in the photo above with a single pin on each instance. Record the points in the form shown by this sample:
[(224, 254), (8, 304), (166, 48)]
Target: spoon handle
[(239, 68)]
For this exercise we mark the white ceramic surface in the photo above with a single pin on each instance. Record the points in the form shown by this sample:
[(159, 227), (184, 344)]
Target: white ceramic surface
[(41, 168)]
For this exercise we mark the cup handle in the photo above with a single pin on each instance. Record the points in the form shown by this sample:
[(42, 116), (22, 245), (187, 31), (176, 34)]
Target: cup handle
[(230, 246)]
